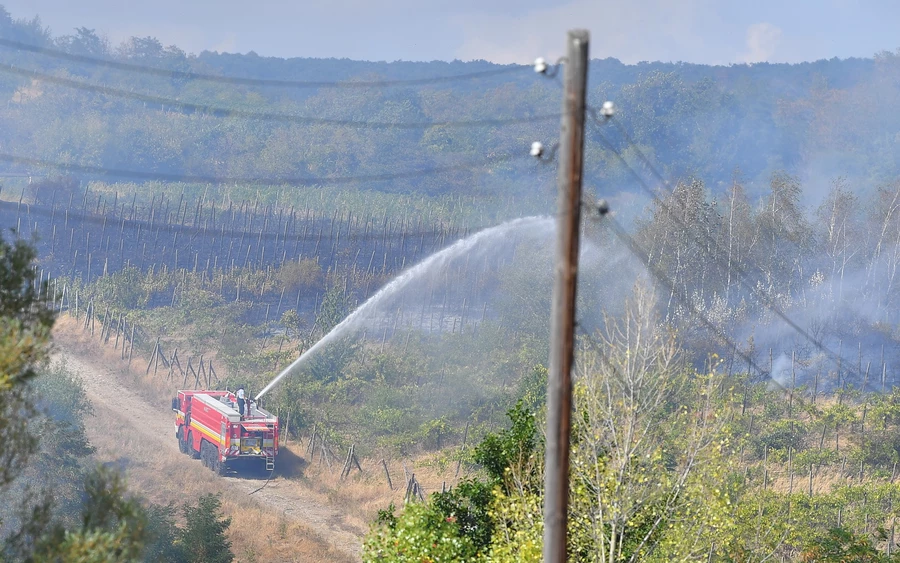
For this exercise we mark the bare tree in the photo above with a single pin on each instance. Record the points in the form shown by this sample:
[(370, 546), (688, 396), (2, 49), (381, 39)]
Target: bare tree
[(785, 234), (645, 422), (841, 231), (885, 257)]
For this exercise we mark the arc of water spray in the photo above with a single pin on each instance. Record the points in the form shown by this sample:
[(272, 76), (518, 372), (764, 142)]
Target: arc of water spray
[(458, 248)]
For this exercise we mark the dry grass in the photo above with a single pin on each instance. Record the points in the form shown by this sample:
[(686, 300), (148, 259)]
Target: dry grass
[(362, 494), (824, 481), (152, 387)]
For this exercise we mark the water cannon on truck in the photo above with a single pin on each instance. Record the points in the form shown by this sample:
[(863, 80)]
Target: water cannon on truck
[(209, 426)]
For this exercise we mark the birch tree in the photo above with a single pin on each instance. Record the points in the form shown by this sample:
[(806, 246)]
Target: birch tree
[(840, 232), (646, 424)]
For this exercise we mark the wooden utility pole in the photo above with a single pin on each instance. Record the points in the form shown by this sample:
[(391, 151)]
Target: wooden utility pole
[(562, 324)]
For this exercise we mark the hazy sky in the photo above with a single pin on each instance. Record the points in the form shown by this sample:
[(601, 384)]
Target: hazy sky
[(701, 31)]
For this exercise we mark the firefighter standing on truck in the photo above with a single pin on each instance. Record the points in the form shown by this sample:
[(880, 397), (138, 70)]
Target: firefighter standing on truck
[(240, 398)]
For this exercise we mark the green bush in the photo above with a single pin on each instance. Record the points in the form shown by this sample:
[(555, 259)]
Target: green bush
[(420, 533), (203, 538), (468, 506), (509, 448)]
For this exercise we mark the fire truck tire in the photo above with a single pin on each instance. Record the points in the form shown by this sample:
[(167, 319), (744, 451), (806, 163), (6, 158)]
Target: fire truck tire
[(218, 466), (190, 445), (182, 445), (204, 454)]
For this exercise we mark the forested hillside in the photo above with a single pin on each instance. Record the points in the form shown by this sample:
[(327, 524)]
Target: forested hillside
[(73, 99)]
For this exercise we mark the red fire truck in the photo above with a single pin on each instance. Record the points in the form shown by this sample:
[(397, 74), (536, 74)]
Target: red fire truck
[(208, 426)]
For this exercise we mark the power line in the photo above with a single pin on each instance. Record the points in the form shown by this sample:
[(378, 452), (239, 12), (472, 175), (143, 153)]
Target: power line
[(710, 246), (685, 301), (188, 107), (637, 150), (131, 67), (287, 181), (681, 296)]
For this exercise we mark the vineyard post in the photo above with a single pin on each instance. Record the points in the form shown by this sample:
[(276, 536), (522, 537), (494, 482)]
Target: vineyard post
[(152, 357), (104, 327), (816, 384), (387, 474), (810, 479), (839, 372), (124, 337), (204, 373), (312, 439), (131, 345), (462, 317), (119, 327), (790, 471), (859, 360), (791, 393), (172, 364), (345, 471)]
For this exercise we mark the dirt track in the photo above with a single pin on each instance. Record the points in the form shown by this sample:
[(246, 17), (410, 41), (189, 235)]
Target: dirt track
[(105, 385)]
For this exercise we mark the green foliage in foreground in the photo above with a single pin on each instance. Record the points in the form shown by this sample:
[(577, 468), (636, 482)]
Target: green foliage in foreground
[(421, 533), (457, 525), (841, 545), (44, 456), (25, 323), (498, 453), (112, 527), (203, 538)]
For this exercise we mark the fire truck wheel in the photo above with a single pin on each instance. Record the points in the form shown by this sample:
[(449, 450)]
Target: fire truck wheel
[(204, 453), (182, 445), (218, 464), (190, 445)]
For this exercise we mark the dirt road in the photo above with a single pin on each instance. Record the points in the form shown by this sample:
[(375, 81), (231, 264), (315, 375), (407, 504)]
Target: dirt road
[(152, 431)]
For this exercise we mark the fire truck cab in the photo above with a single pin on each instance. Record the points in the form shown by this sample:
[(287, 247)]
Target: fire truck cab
[(208, 426)]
